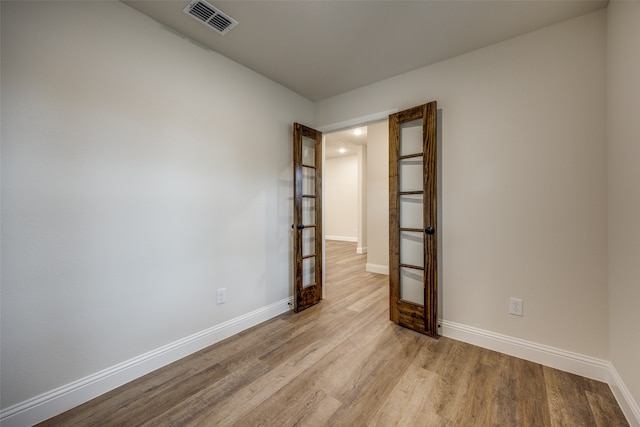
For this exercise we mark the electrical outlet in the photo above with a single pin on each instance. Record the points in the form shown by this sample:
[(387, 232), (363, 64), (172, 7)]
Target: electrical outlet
[(515, 306), (222, 296)]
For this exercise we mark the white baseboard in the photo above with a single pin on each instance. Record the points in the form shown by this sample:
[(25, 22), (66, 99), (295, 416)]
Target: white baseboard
[(52, 403), (55, 402), (361, 250), (377, 268), (622, 394), (341, 238), (586, 366)]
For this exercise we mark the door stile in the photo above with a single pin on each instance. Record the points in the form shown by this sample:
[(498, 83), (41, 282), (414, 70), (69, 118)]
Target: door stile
[(431, 219), (394, 209)]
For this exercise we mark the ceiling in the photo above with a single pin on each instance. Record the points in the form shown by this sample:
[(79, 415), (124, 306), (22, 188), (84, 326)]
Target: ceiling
[(345, 143), (323, 48)]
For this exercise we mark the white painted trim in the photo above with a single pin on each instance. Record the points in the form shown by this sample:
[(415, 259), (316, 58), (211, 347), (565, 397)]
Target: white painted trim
[(586, 366), (377, 268), (622, 394), (358, 121), (341, 238), (54, 402), (361, 250)]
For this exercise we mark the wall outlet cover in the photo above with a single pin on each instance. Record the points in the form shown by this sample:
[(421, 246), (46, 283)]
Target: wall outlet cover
[(515, 306), (221, 296)]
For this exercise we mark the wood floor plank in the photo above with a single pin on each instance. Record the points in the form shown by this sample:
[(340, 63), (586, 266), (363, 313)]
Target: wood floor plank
[(227, 410), (566, 398), (309, 405), (343, 363), (371, 385), (197, 407), (524, 388), (481, 401), (369, 298), (604, 408), (453, 381), (407, 405)]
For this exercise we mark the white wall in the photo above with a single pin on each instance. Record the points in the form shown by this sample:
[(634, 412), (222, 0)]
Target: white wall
[(623, 138), (378, 197), (524, 191), (341, 198), (134, 184)]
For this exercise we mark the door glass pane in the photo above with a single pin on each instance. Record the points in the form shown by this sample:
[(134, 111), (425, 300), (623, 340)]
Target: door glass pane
[(411, 211), (308, 241), (308, 151), (308, 211), (412, 248), (411, 137), (412, 285), (308, 272), (410, 174), (308, 181)]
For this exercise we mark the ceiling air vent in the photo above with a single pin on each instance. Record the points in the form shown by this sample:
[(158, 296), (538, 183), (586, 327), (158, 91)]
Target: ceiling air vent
[(210, 16)]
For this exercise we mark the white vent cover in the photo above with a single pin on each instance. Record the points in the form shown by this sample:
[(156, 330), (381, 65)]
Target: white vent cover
[(210, 16)]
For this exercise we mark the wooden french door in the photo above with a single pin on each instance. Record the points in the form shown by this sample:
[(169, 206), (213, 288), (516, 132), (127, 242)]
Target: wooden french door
[(413, 275), (307, 215)]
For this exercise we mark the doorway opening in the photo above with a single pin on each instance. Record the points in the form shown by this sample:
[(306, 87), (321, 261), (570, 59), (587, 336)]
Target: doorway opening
[(356, 196)]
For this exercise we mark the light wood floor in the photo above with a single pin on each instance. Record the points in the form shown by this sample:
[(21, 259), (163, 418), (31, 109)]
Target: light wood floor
[(343, 363)]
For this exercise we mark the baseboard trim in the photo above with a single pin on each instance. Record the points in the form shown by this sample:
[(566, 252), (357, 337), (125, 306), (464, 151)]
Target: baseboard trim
[(361, 250), (586, 366), (342, 238), (55, 402), (377, 268), (52, 403), (575, 363), (622, 394)]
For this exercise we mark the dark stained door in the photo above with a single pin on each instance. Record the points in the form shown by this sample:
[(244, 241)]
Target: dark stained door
[(413, 222), (307, 215)]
